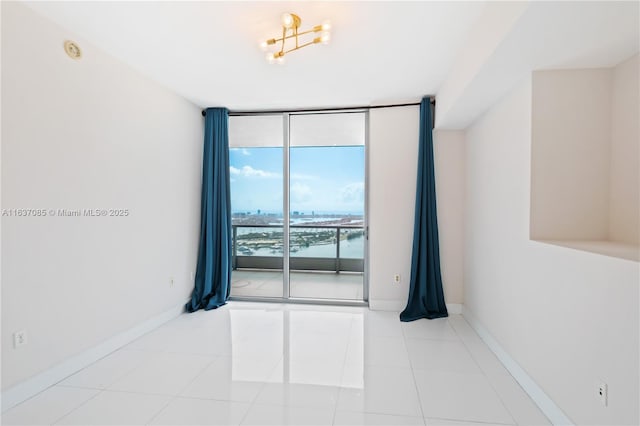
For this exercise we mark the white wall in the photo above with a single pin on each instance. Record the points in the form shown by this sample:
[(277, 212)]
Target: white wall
[(494, 24), (571, 151), (507, 43), (569, 318), (393, 153), (585, 181), (624, 208), (449, 157), (89, 134)]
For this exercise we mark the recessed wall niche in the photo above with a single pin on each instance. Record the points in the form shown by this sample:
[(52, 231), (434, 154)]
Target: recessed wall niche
[(585, 159)]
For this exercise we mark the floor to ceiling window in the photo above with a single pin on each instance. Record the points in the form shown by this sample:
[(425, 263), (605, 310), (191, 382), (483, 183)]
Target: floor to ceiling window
[(298, 198), (257, 204)]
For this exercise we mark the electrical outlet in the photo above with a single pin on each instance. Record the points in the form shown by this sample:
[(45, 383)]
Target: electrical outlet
[(396, 278), (171, 282), (603, 393), (19, 338)]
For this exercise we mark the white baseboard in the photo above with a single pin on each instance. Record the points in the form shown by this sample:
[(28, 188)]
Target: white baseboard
[(454, 308), (30, 387), (386, 305), (542, 400), (399, 305)]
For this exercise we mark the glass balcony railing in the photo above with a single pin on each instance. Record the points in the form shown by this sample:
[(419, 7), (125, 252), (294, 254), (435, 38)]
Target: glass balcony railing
[(338, 248)]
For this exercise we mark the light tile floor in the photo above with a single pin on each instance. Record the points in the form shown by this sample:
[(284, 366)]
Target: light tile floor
[(315, 285), (275, 364)]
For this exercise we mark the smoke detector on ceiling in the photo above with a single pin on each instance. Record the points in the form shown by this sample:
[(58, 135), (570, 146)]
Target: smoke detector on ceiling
[(72, 49)]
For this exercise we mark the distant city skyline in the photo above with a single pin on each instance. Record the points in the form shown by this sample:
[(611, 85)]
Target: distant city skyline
[(327, 180), (294, 212)]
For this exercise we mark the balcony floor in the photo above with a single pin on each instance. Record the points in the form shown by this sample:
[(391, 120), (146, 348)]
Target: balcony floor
[(313, 285)]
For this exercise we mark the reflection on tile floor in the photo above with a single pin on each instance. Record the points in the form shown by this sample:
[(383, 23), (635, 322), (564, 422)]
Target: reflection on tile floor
[(276, 364), (314, 285)]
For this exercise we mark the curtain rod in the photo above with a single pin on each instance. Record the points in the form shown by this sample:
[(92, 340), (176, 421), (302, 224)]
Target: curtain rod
[(433, 101)]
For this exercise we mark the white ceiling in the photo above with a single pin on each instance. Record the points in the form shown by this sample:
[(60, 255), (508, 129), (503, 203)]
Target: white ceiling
[(541, 35), (209, 52), (468, 53)]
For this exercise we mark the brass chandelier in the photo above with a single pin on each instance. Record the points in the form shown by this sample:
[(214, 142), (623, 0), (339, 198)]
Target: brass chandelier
[(291, 30)]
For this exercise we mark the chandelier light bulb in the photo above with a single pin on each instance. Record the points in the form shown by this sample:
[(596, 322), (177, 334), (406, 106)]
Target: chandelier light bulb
[(270, 57), (294, 38), (287, 20)]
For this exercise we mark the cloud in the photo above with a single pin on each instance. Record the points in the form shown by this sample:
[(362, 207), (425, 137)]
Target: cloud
[(300, 193), (243, 151), (248, 171), (352, 193)]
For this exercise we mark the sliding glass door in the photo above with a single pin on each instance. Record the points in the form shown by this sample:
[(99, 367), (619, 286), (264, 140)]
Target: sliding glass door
[(255, 171), (326, 205), (298, 198)]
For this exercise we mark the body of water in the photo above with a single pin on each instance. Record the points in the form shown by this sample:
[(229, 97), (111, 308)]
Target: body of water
[(349, 248)]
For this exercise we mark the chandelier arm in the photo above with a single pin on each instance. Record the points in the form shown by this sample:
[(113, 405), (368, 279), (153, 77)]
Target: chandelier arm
[(292, 22), (299, 47), (276, 40), (313, 30), (284, 33)]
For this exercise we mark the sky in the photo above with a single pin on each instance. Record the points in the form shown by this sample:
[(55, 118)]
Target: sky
[(323, 179)]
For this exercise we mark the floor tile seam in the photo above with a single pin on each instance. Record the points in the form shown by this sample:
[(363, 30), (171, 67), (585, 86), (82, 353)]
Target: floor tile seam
[(173, 397), (153, 417), (486, 375), (60, 385), (323, 333), (59, 382), (413, 367), (342, 371), (204, 398), (138, 392), (457, 339), (413, 376), (157, 355), (415, 385), (203, 354), (262, 404), (481, 422), (251, 404), (120, 376), (319, 359), (477, 373), (481, 373), (57, 421), (111, 389), (381, 413), (161, 349), (345, 410), (508, 375), (254, 400), (197, 375), (387, 365)]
